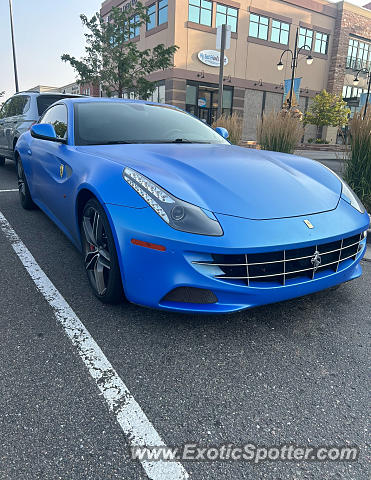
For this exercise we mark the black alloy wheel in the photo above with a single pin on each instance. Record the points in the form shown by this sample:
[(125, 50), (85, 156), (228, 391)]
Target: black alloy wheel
[(100, 257), (24, 192)]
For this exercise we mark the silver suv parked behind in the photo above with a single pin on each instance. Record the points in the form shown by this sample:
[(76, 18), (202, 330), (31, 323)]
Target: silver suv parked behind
[(18, 114)]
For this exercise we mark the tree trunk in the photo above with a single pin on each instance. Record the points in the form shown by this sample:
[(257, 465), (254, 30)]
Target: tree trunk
[(319, 131)]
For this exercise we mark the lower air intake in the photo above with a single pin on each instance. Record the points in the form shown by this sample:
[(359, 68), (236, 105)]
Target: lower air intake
[(190, 295)]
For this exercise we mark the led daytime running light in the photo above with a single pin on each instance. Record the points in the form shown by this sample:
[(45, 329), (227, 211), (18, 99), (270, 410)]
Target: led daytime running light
[(151, 202), (149, 186)]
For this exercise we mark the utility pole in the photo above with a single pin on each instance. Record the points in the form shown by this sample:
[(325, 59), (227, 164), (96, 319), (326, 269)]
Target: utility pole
[(293, 67), (356, 82), (221, 71), (294, 63), (13, 46), (368, 94)]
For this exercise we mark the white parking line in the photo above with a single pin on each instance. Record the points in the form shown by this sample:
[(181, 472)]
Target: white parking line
[(11, 190), (138, 429)]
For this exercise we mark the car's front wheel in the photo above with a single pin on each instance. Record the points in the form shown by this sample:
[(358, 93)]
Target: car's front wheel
[(100, 257), (24, 191)]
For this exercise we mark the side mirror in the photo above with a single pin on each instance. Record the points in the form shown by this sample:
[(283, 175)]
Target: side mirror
[(45, 131), (223, 132)]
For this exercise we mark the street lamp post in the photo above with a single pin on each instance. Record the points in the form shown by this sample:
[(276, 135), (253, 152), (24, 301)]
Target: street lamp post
[(294, 63), (13, 46), (356, 82)]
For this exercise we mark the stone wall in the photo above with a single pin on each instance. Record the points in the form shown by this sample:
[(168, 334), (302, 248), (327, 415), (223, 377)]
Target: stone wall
[(175, 92), (257, 100)]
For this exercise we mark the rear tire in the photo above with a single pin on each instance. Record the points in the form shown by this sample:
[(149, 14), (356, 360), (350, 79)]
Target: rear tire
[(2, 161), (24, 192), (100, 256)]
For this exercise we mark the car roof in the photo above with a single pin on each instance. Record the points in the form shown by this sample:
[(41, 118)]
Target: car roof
[(112, 100), (48, 94)]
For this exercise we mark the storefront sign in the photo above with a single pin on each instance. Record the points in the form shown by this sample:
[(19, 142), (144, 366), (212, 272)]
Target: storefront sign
[(211, 58), (202, 102)]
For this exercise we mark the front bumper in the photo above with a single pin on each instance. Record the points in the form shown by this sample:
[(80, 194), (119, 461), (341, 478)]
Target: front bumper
[(149, 275)]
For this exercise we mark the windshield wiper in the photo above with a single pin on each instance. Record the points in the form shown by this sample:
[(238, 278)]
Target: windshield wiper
[(113, 142), (181, 140)]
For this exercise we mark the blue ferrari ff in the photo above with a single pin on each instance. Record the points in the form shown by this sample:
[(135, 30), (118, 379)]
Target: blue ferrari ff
[(168, 212)]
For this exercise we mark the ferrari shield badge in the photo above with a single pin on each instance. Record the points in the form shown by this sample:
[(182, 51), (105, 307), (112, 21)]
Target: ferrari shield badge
[(308, 224), (61, 170)]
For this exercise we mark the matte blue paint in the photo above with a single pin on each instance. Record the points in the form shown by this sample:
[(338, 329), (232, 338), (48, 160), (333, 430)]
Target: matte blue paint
[(43, 130), (260, 198), (223, 132)]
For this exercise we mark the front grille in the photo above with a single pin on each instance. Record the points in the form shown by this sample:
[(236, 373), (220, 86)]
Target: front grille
[(256, 269)]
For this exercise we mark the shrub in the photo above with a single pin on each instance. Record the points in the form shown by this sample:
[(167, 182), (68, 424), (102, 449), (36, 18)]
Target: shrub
[(280, 132), (233, 123), (358, 163), (322, 141), (310, 140)]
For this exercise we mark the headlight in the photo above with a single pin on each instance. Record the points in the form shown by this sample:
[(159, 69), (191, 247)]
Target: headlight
[(175, 212), (347, 194)]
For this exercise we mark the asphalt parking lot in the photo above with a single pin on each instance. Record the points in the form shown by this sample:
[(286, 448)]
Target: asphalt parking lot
[(289, 373)]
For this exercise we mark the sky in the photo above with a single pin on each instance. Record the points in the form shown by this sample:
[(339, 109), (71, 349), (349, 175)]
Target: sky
[(44, 30)]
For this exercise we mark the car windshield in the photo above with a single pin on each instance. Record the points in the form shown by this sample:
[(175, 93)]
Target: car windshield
[(107, 123)]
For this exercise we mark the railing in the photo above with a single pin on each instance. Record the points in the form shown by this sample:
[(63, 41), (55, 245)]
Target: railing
[(357, 64)]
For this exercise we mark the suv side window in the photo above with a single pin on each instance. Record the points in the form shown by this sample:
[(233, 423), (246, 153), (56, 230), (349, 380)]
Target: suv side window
[(57, 116), (17, 105), (5, 109)]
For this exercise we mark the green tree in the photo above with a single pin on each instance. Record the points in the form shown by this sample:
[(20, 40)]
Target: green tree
[(113, 60), (327, 110)]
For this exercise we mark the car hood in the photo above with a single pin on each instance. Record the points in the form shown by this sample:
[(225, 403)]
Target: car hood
[(232, 180)]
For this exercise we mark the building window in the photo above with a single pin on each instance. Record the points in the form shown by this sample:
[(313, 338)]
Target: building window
[(305, 38), (200, 11), (134, 26), (162, 11), (363, 53), (158, 94), (352, 53), (359, 54), (258, 26), (321, 43), (280, 32), (151, 12), (226, 15)]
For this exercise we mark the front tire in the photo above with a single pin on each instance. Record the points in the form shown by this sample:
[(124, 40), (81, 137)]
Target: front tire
[(24, 192), (100, 256)]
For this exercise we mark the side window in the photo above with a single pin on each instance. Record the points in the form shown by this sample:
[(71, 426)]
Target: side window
[(15, 106), (4, 113), (57, 116)]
